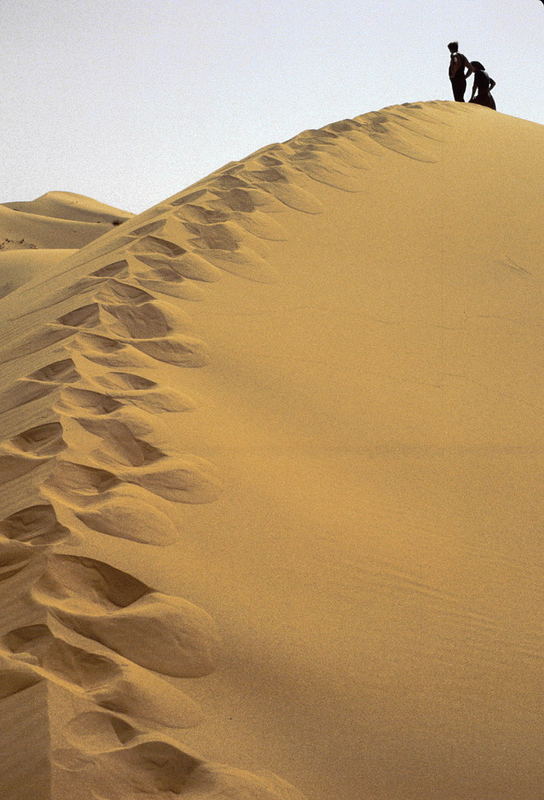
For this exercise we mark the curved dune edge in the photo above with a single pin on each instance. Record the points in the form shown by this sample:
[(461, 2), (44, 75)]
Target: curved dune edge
[(122, 307), (35, 236), (71, 206), (56, 220)]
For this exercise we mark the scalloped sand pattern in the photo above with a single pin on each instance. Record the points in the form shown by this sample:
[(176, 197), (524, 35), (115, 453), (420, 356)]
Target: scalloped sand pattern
[(93, 468)]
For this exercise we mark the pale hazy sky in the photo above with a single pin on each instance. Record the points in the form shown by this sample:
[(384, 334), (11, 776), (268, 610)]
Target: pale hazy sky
[(129, 101)]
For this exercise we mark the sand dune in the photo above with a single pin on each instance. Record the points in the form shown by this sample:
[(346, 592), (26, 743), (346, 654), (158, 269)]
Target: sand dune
[(37, 235), (31, 229), (270, 475), (70, 206)]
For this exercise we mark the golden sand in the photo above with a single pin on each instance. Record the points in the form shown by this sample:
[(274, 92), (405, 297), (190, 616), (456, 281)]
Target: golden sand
[(270, 475)]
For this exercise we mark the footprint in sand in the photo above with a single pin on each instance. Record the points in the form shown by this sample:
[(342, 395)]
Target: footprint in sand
[(208, 235), (23, 392), (110, 270), (36, 525), (109, 767), (166, 634), (170, 286), (107, 680), (15, 677), (149, 768), (134, 317), (13, 467), (78, 485), (124, 518), (73, 400), (188, 197), (35, 342), (281, 183), (143, 393), (107, 352), (144, 321), (29, 449), (121, 761), (114, 291), (153, 244), (160, 271), (84, 317), (41, 441), (100, 732), (151, 227), (188, 480), (14, 557), (123, 381), (190, 266), (182, 351), (118, 445), (161, 770), (38, 384), (62, 371), (221, 245)]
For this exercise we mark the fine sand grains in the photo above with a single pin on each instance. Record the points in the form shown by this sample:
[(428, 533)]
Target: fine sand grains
[(295, 405)]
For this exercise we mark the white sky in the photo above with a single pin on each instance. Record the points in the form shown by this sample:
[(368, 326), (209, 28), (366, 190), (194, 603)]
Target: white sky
[(129, 101)]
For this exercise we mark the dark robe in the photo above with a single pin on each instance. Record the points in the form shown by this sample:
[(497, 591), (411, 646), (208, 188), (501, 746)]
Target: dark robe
[(483, 96)]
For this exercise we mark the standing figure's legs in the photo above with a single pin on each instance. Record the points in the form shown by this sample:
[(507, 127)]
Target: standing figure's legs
[(459, 86)]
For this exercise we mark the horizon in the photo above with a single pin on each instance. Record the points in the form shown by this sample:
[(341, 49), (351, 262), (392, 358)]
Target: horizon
[(192, 89)]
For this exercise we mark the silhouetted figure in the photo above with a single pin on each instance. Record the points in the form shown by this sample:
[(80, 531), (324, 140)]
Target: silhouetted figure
[(458, 78), (481, 89)]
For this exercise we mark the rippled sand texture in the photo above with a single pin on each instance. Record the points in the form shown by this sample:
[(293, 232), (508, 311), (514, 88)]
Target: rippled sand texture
[(271, 479)]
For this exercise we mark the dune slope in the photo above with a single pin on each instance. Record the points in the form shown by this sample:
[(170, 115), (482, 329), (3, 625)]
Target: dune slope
[(271, 474)]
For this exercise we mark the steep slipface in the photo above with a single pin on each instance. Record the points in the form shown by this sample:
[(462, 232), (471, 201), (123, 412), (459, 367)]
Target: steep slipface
[(286, 384)]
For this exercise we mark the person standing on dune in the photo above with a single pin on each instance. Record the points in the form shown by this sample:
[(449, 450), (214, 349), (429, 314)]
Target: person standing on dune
[(458, 64), (481, 90)]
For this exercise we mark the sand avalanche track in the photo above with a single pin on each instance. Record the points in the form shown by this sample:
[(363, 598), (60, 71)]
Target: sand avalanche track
[(295, 408)]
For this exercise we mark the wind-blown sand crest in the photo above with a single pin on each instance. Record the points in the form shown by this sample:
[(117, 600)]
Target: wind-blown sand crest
[(270, 476)]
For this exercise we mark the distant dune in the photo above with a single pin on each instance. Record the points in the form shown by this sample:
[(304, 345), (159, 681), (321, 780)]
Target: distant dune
[(270, 474), (37, 235)]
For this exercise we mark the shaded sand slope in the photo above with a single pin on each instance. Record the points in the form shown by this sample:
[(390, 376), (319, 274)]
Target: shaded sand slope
[(304, 395)]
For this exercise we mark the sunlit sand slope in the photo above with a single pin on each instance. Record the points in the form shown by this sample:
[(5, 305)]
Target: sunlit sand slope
[(271, 477)]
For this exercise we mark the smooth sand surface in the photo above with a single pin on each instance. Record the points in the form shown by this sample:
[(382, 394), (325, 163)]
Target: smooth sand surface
[(270, 474)]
